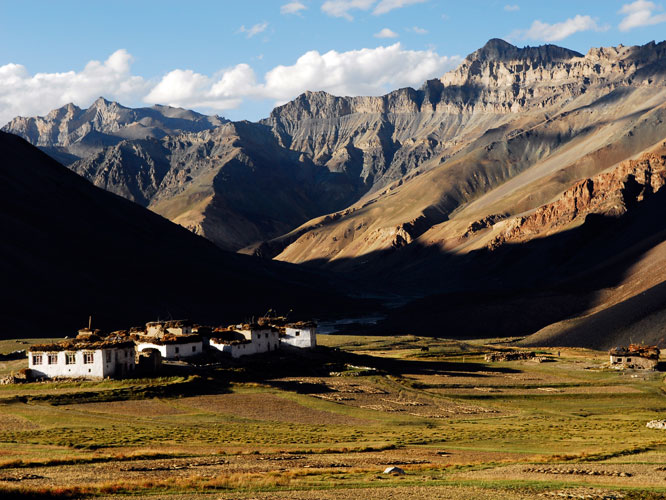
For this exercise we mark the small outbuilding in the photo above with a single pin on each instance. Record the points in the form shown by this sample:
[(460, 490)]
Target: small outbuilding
[(636, 357), (302, 335)]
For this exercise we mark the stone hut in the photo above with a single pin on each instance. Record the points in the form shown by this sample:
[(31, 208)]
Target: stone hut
[(636, 357)]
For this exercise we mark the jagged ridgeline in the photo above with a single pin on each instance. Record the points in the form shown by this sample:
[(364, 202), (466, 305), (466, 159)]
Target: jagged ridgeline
[(501, 113), (510, 175)]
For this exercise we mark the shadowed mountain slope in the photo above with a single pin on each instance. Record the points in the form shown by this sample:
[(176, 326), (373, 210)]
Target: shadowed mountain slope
[(70, 249), (587, 269), (234, 185), (505, 132)]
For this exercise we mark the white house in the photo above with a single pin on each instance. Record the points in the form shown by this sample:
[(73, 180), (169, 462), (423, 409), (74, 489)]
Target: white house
[(302, 335), (235, 348), (244, 340), (83, 358), (265, 338), (173, 346)]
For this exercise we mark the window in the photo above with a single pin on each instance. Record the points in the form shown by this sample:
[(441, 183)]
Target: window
[(88, 357), (628, 359), (108, 356), (297, 333), (194, 348), (70, 358), (36, 359), (177, 350), (53, 359)]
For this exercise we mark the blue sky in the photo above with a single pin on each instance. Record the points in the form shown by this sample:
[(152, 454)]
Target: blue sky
[(240, 59)]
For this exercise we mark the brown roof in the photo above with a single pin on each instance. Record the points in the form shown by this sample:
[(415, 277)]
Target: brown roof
[(302, 324), (80, 345), (220, 335), (219, 340), (641, 351), (175, 323)]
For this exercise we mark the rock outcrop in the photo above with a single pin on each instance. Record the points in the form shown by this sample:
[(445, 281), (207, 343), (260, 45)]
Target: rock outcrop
[(70, 133), (506, 132), (609, 194)]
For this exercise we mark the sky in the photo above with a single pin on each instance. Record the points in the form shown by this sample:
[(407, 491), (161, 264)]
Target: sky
[(240, 59)]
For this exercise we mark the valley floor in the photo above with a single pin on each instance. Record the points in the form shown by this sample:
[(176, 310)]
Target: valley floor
[(325, 425)]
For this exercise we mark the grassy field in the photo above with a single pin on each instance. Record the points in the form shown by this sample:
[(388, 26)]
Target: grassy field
[(326, 424)]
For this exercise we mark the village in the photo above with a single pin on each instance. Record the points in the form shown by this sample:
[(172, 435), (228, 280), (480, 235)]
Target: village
[(140, 350)]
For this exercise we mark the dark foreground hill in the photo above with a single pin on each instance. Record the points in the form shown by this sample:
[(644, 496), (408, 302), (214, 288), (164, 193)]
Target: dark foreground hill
[(69, 249)]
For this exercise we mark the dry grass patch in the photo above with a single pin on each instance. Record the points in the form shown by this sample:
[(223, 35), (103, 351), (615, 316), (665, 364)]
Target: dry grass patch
[(142, 408), (267, 406)]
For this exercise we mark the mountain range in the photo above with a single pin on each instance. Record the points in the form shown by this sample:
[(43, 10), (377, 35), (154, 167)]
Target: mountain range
[(521, 190)]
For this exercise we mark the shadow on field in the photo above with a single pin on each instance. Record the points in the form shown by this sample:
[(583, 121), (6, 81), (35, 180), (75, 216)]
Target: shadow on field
[(324, 360), (182, 380)]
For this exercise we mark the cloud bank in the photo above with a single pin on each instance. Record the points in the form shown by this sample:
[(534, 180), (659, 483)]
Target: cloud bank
[(23, 94), (640, 13), (558, 31), (357, 72)]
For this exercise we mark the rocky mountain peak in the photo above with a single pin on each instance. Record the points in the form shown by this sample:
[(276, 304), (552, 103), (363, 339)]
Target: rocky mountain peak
[(497, 49), (102, 103)]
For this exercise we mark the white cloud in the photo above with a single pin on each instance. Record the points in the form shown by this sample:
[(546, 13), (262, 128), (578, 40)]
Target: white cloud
[(341, 8), (640, 13), (511, 8), (419, 31), (386, 33), (292, 8), (358, 72), (558, 31), (27, 95), (385, 6), (254, 30)]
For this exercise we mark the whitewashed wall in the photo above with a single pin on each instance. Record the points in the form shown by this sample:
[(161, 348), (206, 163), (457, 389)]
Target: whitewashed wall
[(304, 338), (235, 350), (99, 368), (263, 340), (173, 351)]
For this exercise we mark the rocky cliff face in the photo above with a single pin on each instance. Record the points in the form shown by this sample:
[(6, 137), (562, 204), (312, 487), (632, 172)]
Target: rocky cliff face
[(506, 132), (70, 133), (610, 194), (234, 185)]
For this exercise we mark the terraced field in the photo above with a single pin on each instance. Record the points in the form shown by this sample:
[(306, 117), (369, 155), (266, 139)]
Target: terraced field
[(326, 424)]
